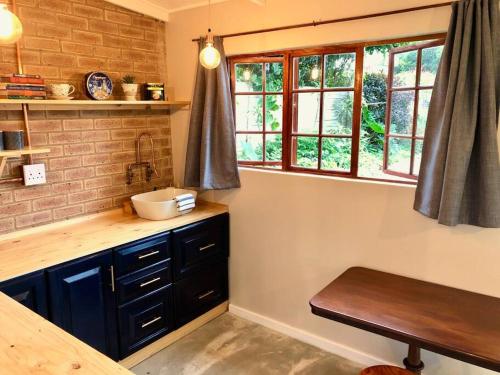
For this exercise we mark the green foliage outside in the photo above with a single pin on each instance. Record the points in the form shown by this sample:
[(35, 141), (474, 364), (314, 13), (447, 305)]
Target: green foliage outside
[(336, 152)]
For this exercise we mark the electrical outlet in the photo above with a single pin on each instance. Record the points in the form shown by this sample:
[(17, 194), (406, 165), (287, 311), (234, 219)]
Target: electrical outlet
[(34, 174)]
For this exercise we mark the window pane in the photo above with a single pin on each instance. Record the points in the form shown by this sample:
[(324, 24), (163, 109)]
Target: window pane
[(399, 155), (419, 144), (424, 98), (248, 77), (339, 70), (307, 152), (309, 72), (249, 113), (274, 77), (337, 112), (430, 63), (405, 69), (307, 107), (273, 147), (402, 112), (249, 147), (274, 112), (336, 154)]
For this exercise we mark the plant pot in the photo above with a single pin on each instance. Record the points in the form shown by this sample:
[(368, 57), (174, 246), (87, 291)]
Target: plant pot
[(130, 91)]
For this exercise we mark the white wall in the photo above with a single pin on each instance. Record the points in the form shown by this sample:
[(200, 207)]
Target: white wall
[(292, 234)]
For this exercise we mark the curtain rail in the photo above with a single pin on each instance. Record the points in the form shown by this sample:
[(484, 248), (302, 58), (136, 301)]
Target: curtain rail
[(319, 23)]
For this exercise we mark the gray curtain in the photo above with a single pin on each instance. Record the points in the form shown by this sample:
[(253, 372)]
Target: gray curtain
[(211, 152), (459, 181)]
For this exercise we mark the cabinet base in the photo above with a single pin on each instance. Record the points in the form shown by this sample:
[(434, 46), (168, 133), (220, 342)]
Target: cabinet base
[(169, 339)]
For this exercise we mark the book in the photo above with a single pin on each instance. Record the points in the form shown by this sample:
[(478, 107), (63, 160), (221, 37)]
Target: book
[(10, 86), (23, 97), (154, 91), (22, 78), (22, 93)]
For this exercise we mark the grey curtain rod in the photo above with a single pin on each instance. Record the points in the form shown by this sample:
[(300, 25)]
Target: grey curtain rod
[(319, 23)]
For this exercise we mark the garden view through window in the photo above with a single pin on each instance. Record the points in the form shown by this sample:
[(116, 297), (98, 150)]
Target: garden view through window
[(356, 111)]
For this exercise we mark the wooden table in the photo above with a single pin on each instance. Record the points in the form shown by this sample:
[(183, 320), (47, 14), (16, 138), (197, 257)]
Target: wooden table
[(452, 322)]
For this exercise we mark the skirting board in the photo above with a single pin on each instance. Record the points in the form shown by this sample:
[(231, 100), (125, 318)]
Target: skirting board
[(308, 338), (169, 339)]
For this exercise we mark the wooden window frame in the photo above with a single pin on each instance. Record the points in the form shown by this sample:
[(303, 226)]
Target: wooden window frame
[(287, 57), (416, 88)]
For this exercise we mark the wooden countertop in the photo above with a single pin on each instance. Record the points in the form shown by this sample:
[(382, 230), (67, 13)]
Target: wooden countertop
[(37, 248), (29, 344)]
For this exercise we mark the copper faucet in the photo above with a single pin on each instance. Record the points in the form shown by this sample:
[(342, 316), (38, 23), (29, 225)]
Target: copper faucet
[(150, 166)]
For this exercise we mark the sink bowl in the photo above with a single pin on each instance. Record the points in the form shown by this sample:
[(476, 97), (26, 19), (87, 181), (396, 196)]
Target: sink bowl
[(160, 204)]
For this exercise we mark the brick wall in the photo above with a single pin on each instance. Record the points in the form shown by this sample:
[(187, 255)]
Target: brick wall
[(90, 150)]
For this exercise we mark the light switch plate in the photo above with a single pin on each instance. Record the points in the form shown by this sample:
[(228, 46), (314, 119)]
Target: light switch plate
[(34, 174)]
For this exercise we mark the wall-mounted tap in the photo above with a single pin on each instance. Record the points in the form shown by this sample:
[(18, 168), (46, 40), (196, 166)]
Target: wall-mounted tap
[(150, 166)]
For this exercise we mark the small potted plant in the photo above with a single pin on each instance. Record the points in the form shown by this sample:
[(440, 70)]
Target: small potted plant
[(129, 87)]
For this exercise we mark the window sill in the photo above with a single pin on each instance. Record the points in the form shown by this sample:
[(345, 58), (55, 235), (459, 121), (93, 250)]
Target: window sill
[(363, 180)]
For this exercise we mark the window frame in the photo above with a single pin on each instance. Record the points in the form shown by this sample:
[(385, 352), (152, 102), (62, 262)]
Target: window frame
[(416, 88), (286, 56)]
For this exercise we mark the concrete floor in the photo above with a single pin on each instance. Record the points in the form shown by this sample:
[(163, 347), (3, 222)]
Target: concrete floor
[(231, 345)]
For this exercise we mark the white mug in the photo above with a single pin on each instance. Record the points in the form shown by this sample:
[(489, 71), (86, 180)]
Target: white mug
[(61, 89)]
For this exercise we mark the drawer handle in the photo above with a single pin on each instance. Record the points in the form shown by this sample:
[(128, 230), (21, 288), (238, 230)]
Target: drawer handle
[(206, 294), (203, 248), (150, 282), (144, 325), (148, 254)]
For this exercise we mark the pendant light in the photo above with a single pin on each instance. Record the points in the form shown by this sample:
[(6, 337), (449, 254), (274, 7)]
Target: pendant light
[(10, 26), (209, 56)]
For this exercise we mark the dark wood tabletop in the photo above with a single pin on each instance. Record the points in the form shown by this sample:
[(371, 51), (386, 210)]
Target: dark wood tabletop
[(453, 322)]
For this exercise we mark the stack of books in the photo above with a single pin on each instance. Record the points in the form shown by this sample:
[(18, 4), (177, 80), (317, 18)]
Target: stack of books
[(22, 86)]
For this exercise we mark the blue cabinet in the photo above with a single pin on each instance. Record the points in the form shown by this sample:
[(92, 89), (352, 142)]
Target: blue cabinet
[(82, 301), (29, 290)]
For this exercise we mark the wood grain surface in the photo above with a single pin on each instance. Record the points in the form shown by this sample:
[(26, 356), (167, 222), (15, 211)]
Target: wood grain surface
[(453, 322), (385, 370)]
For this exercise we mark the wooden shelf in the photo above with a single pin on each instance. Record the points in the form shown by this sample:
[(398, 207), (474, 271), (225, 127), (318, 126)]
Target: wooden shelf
[(65, 105), (6, 154)]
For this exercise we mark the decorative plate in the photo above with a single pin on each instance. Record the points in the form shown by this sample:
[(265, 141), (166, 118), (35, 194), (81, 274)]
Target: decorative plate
[(99, 85)]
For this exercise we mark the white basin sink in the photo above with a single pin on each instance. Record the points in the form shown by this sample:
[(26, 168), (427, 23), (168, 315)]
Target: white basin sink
[(160, 204)]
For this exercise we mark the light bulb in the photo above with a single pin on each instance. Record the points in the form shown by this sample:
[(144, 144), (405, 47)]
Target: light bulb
[(315, 73), (10, 26), (247, 75), (209, 56)]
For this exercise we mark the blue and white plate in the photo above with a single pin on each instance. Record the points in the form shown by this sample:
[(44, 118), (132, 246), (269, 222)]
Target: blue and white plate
[(99, 85)]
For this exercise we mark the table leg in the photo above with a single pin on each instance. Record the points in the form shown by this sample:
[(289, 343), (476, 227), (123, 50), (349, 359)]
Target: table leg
[(413, 361)]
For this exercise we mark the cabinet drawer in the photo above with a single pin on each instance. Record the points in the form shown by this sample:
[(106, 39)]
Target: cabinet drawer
[(200, 243), (140, 254), (144, 281), (199, 293), (145, 320)]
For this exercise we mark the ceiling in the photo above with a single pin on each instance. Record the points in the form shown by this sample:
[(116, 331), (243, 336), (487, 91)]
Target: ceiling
[(161, 9)]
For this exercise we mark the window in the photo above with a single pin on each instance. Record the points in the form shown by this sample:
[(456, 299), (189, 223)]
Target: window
[(258, 103), (357, 111)]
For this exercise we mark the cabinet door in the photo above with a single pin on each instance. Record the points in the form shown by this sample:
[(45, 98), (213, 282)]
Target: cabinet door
[(199, 244), (29, 290), (82, 301)]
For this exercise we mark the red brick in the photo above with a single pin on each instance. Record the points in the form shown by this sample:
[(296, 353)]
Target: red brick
[(32, 192), (33, 219), (123, 134), (111, 191), (133, 55), (110, 146), (45, 125), (59, 6), (108, 123), (49, 202), (77, 48), (143, 45), (117, 17), (96, 135), (73, 22), (7, 225), (65, 163), (108, 52), (29, 14), (99, 205), (87, 11), (121, 65), (79, 173), (78, 124), (65, 137), (6, 197), (53, 31), (142, 21), (103, 27), (14, 209), (108, 169), (96, 159), (66, 212), (82, 196), (123, 157), (145, 67), (67, 187), (58, 59), (41, 43), (116, 41), (131, 32), (87, 37), (98, 182), (79, 149), (44, 71)]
